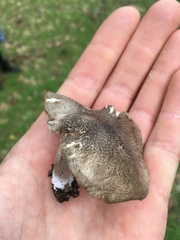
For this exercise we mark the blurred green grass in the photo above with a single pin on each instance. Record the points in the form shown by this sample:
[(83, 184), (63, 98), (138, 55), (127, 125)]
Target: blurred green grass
[(46, 38)]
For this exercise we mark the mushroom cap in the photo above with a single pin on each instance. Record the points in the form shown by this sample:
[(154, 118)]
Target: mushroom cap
[(102, 149)]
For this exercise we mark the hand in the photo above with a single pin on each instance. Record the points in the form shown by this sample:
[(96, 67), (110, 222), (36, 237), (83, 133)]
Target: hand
[(135, 66)]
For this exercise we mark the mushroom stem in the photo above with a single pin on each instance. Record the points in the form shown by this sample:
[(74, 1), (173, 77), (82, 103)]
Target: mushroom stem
[(64, 184)]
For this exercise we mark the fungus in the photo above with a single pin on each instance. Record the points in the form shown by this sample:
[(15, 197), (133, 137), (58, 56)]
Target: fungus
[(100, 150)]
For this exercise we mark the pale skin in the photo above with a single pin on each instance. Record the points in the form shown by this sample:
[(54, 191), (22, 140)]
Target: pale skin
[(135, 66)]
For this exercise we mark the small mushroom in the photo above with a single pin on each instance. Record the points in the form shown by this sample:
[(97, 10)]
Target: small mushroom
[(101, 150)]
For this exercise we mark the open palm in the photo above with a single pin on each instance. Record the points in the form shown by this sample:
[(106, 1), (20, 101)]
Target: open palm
[(134, 66)]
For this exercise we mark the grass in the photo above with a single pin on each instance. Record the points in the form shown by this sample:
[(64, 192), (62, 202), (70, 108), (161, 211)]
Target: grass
[(45, 38)]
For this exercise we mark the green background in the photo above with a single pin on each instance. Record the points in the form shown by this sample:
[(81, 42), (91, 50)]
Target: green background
[(46, 38)]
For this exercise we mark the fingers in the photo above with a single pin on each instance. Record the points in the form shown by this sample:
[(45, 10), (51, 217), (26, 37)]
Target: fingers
[(91, 71), (149, 100), (83, 84), (155, 28), (163, 147)]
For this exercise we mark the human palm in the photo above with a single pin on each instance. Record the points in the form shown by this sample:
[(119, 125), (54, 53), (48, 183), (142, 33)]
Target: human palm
[(133, 66)]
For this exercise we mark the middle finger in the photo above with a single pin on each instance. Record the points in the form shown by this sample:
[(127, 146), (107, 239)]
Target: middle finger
[(148, 103), (153, 31)]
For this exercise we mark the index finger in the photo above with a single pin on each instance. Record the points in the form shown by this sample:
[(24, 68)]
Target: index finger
[(88, 76)]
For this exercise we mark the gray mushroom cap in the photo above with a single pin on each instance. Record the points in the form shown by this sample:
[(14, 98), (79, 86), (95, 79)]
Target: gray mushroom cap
[(100, 149)]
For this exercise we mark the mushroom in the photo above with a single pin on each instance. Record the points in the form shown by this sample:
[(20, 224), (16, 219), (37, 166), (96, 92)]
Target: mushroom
[(100, 150)]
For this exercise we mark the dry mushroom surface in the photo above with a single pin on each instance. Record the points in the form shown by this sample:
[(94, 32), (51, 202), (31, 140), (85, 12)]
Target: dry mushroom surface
[(100, 150)]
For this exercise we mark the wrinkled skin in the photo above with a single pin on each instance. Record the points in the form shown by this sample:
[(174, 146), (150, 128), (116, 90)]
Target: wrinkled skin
[(136, 53)]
